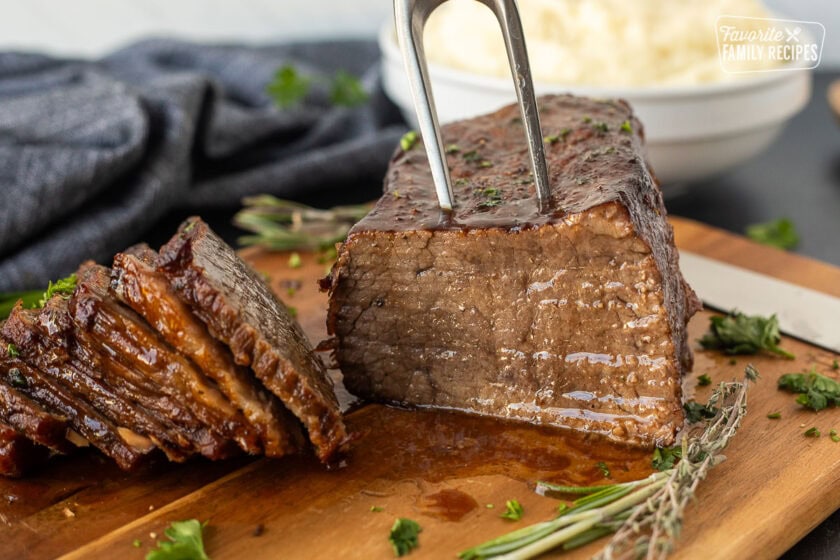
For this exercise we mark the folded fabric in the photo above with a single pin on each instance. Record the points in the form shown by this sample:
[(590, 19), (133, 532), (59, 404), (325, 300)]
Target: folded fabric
[(94, 153)]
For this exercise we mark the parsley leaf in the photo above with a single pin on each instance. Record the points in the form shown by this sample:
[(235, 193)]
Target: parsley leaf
[(186, 542), (403, 536), (704, 380), (63, 287), (346, 90), (626, 126), (774, 415), (12, 350), (513, 510), (744, 334), (408, 140), (664, 458), (696, 412), (605, 470), (812, 432), (833, 435), (288, 87), (779, 233), (295, 260), (815, 391)]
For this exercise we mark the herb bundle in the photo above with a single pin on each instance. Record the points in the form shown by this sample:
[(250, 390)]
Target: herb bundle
[(283, 225), (645, 515)]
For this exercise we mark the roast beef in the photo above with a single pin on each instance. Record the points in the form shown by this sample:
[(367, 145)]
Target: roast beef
[(240, 310), (18, 454), (118, 330), (573, 317), (28, 417), (137, 283)]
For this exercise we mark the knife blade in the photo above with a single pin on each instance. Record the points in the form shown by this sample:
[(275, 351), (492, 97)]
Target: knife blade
[(806, 314)]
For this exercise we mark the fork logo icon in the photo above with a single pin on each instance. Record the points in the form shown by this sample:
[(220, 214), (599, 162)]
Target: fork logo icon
[(793, 35)]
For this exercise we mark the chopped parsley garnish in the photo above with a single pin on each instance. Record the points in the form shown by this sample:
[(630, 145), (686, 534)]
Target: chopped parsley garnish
[(485, 163), (835, 365), (288, 87), (704, 380), (696, 412), (292, 311), (346, 90), (587, 119), (491, 196), (63, 287), (403, 536), (816, 391), (452, 149), (833, 435), (626, 126), (185, 542), (601, 127), (779, 233), (812, 432), (376, 509), (472, 156), (408, 140), (513, 510), (664, 458), (12, 350), (744, 334), (295, 260), (136, 543), (774, 415), (605, 470), (551, 139)]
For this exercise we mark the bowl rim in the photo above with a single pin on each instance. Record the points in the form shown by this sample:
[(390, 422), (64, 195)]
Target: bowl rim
[(391, 52)]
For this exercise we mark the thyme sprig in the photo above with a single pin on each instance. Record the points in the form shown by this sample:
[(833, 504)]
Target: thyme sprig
[(646, 516), (282, 225)]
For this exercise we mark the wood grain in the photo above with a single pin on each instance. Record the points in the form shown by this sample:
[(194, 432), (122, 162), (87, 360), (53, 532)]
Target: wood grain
[(775, 486)]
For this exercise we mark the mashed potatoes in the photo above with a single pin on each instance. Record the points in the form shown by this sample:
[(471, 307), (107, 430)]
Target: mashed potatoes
[(592, 42)]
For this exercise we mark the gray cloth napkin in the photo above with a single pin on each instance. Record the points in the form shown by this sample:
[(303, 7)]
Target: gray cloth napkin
[(94, 153)]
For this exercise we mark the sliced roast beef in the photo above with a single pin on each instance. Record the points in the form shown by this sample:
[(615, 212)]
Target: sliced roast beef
[(28, 417), (123, 334), (574, 317), (54, 390), (241, 311), (137, 283), (19, 455)]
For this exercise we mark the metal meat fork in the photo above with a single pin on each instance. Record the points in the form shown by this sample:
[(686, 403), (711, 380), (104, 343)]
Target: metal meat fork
[(411, 16)]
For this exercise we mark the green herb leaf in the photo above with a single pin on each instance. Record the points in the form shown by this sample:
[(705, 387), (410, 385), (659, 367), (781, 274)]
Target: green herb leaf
[(737, 333), (626, 126), (605, 470), (816, 391), (295, 260), (835, 365), (704, 380), (376, 509), (185, 542), (779, 233), (696, 412), (452, 149), (288, 87), (12, 350), (293, 312), (63, 287), (513, 510), (551, 139), (408, 140), (812, 432), (833, 435), (346, 90), (665, 458), (601, 127), (404, 535), (774, 415), (136, 543)]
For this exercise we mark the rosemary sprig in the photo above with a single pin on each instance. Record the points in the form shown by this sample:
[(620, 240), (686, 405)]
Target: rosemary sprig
[(282, 225), (644, 515)]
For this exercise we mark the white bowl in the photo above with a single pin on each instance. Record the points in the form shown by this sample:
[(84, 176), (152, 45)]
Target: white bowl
[(692, 132)]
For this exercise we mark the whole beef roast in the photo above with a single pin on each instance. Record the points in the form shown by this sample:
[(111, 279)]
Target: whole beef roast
[(575, 317)]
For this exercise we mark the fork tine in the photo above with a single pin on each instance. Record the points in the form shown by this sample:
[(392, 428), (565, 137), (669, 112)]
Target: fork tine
[(410, 18)]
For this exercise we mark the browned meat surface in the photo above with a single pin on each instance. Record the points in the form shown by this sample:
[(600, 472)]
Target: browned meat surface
[(27, 416), (575, 317), (240, 310), (61, 392), (18, 455), (118, 330), (137, 283)]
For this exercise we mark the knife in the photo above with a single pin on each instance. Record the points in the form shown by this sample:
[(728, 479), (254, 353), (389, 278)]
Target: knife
[(806, 314)]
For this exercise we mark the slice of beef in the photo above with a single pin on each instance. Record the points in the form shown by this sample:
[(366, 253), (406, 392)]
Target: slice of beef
[(137, 283), (123, 334), (240, 310), (27, 416), (54, 392), (19, 455), (574, 317)]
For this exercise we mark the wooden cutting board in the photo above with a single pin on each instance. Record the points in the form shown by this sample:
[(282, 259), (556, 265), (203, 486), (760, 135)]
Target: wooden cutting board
[(444, 471)]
